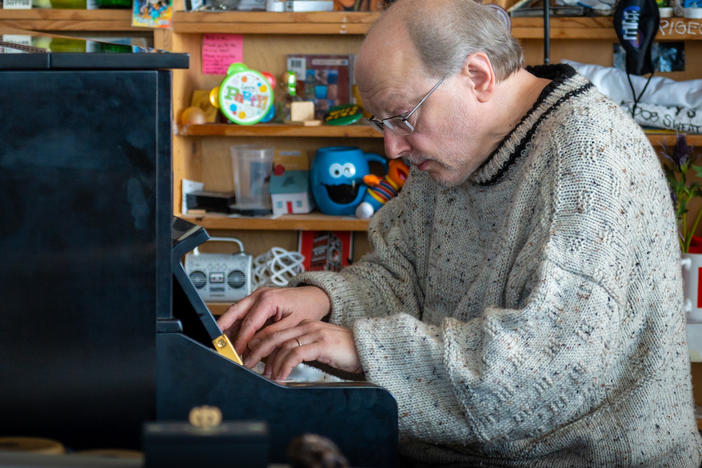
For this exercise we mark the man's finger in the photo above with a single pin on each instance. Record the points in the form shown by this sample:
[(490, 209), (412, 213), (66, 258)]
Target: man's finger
[(266, 332), (252, 322), (267, 369), (292, 355), (234, 312), (264, 347)]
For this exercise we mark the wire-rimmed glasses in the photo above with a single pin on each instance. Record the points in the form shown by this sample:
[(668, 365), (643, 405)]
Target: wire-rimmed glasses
[(400, 124)]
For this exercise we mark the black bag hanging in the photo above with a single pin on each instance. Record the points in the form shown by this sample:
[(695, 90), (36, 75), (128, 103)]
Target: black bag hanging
[(636, 24)]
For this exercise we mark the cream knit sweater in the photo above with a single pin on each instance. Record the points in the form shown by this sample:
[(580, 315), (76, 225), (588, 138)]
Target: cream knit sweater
[(533, 315)]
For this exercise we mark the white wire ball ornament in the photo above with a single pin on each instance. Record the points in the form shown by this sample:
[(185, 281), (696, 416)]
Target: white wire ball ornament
[(276, 267)]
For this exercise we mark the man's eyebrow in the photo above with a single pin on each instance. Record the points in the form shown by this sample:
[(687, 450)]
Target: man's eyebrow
[(397, 111), (402, 106)]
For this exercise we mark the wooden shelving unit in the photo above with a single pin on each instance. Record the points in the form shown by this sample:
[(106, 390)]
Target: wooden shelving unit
[(193, 24), (201, 152)]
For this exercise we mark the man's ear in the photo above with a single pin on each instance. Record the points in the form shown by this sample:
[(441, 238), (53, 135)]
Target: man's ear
[(478, 69)]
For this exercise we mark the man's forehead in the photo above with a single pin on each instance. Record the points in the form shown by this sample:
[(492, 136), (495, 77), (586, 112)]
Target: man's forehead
[(387, 43), (389, 68), (388, 88), (391, 97)]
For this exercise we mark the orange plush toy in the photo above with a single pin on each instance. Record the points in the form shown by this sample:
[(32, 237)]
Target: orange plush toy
[(381, 190)]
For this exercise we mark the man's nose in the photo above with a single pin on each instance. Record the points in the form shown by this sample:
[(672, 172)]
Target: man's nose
[(395, 145)]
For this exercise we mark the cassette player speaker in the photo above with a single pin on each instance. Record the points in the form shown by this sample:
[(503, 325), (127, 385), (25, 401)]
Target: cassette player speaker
[(220, 277)]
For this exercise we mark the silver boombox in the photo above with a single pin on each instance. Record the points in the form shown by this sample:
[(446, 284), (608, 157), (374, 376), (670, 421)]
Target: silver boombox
[(219, 277)]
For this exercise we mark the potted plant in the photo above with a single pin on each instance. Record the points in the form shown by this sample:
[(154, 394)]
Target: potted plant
[(684, 188)]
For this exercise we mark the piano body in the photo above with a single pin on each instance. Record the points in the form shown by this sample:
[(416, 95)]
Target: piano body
[(100, 329)]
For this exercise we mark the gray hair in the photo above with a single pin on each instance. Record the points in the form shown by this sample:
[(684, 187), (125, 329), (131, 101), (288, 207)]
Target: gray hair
[(445, 32)]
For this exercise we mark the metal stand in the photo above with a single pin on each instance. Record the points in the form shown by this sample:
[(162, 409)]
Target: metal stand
[(547, 31)]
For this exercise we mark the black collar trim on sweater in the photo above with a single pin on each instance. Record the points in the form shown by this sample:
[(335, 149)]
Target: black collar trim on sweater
[(558, 74)]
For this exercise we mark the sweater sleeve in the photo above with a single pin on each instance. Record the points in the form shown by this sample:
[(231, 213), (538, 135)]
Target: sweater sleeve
[(384, 281)]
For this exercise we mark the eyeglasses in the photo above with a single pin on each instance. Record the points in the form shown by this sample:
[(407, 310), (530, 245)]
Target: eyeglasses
[(399, 124)]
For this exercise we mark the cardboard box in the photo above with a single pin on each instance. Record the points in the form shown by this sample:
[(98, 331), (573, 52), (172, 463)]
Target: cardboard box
[(325, 79)]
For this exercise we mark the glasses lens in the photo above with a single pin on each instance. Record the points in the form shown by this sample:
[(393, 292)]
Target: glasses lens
[(377, 124), (399, 126)]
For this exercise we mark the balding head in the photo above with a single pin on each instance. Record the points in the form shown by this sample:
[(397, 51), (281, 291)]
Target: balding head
[(387, 54), (441, 34)]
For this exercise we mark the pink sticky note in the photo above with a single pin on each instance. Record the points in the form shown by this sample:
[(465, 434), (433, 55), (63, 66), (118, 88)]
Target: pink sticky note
[(219, 51)]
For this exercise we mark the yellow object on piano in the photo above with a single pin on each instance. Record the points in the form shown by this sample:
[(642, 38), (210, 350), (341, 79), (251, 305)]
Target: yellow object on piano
[(225, 348)]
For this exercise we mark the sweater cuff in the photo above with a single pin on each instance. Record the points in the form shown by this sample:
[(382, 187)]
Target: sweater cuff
[(345, 307)]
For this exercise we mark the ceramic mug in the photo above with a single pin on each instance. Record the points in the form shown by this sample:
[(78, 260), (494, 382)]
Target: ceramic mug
[(336, 177)]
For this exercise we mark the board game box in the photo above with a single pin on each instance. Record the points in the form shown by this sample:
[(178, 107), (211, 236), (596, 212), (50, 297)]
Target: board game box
[(325, 79)]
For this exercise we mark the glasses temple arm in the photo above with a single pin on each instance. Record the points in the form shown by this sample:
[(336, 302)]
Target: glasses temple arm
[(426, 96)]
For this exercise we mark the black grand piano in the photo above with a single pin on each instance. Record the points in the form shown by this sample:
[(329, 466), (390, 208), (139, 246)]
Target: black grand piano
[(101, 331)]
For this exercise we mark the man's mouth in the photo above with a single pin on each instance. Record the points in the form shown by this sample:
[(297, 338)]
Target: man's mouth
[(421, 165), (416, 161)]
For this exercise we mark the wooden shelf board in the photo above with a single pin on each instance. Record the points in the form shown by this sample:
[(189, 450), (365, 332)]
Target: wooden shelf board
[(69, 20), (334, 22), (347, 131), (306, 222), (581, 27), (565, 28), (280, 130)]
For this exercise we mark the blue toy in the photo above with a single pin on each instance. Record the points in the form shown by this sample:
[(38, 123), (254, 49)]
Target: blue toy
[(336, 178)]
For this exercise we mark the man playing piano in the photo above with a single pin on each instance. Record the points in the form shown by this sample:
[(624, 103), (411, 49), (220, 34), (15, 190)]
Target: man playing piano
[(522, 301)]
